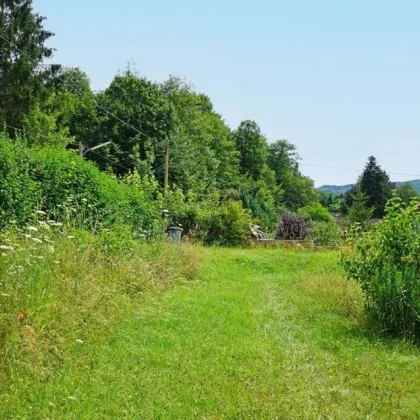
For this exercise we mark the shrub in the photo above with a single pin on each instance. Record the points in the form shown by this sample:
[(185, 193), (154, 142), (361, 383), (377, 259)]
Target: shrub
[(292, 227), (229, 224), (386, 262), (68, 188), (325, 234), (316, 212)]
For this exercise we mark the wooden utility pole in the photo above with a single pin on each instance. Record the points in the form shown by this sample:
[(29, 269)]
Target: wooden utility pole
[(166, 182)]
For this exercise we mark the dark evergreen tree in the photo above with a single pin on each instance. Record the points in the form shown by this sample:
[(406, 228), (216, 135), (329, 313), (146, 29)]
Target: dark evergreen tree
[(375, 184)]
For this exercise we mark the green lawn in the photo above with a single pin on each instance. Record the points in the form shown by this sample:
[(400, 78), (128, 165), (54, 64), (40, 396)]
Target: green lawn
[(259, 334)]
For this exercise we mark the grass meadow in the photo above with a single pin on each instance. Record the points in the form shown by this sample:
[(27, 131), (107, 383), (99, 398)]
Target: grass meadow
[(95, 327)]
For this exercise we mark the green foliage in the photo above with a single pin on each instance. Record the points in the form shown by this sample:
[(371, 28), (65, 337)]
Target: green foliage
[(41, 123), (325, 234), (139, 103), (315, 212), (229, 225), (262, 197), (252, 147), (333, 202), (69, 189), (143, 123), (375, 183), (385, 260), (360, 212), (298, 190), (203, 156), (406, 192), (324, 230), (21, 82)]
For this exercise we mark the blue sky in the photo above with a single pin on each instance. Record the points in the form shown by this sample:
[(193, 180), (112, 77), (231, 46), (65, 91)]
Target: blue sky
[(340, 79)]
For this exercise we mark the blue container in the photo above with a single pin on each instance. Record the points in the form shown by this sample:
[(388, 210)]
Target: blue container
[(175, 234)]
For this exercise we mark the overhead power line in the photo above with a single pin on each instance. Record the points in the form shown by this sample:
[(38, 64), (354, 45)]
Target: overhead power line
[(79, 92), (110, 161), (353, 169), (14, 128), (76, 90)]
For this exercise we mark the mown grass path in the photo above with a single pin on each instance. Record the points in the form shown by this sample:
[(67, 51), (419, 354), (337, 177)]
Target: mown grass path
[(260, 334)]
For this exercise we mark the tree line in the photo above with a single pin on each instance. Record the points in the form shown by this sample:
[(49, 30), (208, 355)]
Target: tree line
[(150, 127), (144, 121)]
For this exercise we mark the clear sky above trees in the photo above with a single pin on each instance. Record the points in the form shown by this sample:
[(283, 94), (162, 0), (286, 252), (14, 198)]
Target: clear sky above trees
[(338, 79)]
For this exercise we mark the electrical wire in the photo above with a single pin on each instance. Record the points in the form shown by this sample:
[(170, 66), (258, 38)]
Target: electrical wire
[(109, 160), (11, 126), (353, 169), (76, 90)]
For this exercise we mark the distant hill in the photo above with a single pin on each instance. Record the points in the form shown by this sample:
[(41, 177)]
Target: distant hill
[(336, 189), (342, 189)]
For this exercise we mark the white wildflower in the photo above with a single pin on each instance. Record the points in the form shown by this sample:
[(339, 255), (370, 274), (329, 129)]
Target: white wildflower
[(38, 241), (70, 237), (78, 340), (84, 200), (56, 262), (7, 248), (41, 212), (5, 294), (51, 249), (44, 225), (27, 236), (32, 229)]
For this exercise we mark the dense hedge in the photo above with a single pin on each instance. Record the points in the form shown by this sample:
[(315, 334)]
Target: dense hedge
[(69, 189)]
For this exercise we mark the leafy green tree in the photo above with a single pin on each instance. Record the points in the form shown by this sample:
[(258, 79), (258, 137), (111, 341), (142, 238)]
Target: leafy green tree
[(139, 124), (252, 147), (262, 198), (299, 190), (203, 155), (77, 109), (406, 192), (22, 48), (41, 123), (66, 112), (283, 160), (375, 183)]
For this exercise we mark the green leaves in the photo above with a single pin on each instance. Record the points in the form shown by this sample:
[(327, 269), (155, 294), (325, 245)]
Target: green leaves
[(70, 189), (375, 183), (252, 147), (386, 261), (21, 50)]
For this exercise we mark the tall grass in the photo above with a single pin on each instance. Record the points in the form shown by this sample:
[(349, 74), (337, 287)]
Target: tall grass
[(60, 289)]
